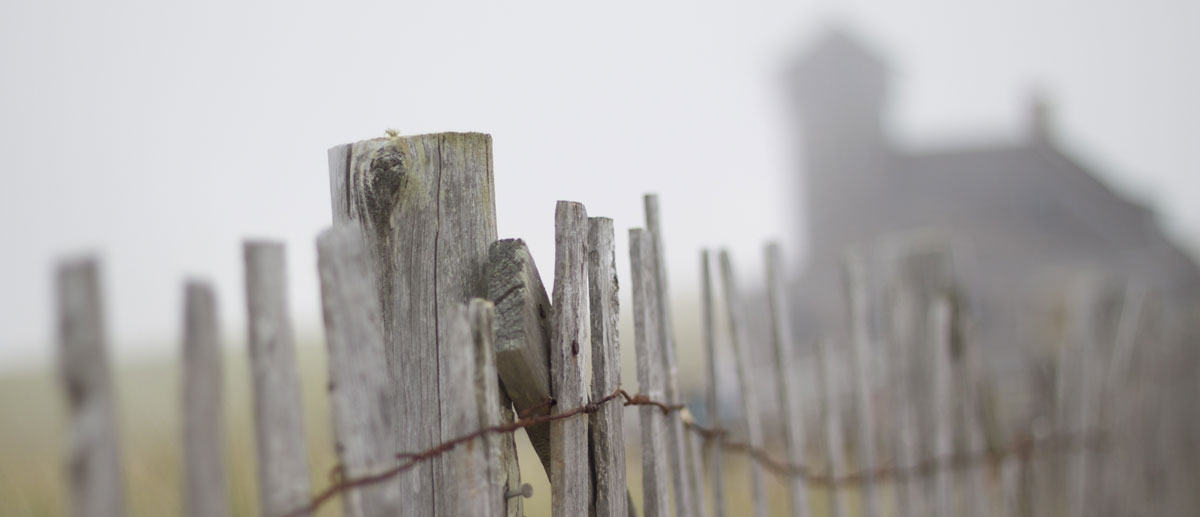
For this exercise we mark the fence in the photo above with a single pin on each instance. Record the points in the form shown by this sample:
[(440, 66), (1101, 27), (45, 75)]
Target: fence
[(443, 341)]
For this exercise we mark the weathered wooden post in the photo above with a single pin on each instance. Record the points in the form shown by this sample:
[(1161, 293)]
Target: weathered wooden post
[(860, 364), (786, 377), (939, 331), (205, 494), (359, 388), (279, 422), (831, 414), (741, 353), (570, 473), (608, 441), (97, 486), (651, 380), (426, 206), (681, 479), (713, 449)]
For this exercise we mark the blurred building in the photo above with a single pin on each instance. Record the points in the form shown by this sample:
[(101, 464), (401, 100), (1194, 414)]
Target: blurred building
[(1020, 217)]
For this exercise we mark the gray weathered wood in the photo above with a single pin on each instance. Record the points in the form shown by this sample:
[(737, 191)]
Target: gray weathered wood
[(1084, 340), (426, 206), (939, 325), (831, 414), (278, 418), (651, 378), (570, 472), (608, 442), (787, 383), (360, 390), (491, 405), (684, 490), (94, 459), (713, 449), (860, 364), (205, 493), (738, 334), (466, 467), (522, 335)]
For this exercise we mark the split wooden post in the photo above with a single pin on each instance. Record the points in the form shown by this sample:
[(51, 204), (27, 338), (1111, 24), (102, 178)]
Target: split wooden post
[(785, 375), (205, 492), (468, 467), (860, 363), (570, 472), (426, 206), (359, 388), (900, 356), (608, 441), (939, 325), (741, 352), (681, 479), (502, 483), (713, 446), (835, 454), (97, 487), (655, 492), (279, 422), (522, 335)]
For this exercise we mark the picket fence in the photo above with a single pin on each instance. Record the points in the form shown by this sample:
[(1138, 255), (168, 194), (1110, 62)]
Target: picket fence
[(443, 341)]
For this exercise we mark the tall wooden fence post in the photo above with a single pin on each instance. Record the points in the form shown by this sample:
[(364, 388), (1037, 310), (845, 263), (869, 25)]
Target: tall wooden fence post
[(608, 441), (681, 478), (279, 424), (713, 446), (655, 485), (205, 492), (939, 325), (786, 377), (96, 482), (741, 352), (861, 372), (570, 472), (426, 206), (359, 388), (831, 414)]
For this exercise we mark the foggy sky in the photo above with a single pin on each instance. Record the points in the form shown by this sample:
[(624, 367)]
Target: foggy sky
[(162, 135)]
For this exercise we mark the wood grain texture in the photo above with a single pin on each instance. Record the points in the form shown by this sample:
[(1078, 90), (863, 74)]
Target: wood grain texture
[(681, 480), (939, 325), (741, 354), (426, 207), (279, 423), (360, 390), (831, 414), (606, 425), (503, 476), (466, 472), (94, 460), (787, 385), (708, 319), (651, 378), (522, 335), (205, 493), (570, 472), (860, 365)]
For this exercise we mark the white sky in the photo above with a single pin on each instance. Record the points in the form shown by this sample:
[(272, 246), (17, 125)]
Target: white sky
[(161, 135)]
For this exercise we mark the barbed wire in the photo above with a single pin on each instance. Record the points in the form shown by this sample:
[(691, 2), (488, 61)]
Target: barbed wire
[(1023, 447)]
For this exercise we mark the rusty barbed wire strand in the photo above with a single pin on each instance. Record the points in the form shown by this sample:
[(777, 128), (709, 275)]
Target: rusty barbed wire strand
[(1023, 447)]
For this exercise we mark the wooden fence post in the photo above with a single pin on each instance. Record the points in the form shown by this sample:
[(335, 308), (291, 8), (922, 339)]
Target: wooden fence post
[(684, 487), (713, 446), (939, 331), (741, 352), (426, 207), (570, 485), (860, 363), (608, 440), (655, 492), (832, 415), (502, 484), (279, 424), (96, 481), (359, 388), (203, 420), (785, 374)]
